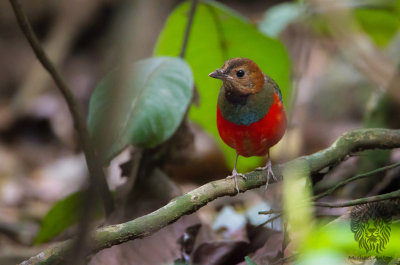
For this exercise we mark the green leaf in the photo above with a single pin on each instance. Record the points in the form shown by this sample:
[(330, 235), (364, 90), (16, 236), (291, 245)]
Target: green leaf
[(218, 33), (279, 16), (317, 257), (380, 24), (150, 105), (249, 261), (62, 215)]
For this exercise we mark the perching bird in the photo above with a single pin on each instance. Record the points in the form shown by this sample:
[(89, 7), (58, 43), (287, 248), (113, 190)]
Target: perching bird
[(250, 113)]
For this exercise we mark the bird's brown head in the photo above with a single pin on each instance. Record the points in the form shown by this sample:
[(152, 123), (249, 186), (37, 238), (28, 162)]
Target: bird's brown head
[(240, 75)]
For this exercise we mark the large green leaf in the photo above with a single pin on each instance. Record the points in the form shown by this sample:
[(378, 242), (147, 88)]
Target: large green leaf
[(62, 215), (146, 110), (217, 34)]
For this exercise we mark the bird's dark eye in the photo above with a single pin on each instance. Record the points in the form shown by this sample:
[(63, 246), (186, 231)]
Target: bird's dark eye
[(240, 73)]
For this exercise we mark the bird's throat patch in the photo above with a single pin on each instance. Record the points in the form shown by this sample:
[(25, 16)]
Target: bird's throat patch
[(245, 109)]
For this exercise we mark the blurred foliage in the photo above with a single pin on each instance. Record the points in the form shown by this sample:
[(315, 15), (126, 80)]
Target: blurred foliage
[(219, 33), (318, 257), (377, 111), (380, 24), (63, 215), (249, 261), (377, 115), (279, 16), (379, 19), (338, 238), (318, 242), (143, 106), (296, 199)]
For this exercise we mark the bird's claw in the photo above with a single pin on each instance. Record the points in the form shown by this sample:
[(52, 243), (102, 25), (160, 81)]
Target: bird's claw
[(268, 168), (234, 175)]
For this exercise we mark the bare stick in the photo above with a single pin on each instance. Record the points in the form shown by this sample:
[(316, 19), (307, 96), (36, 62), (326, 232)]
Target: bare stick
[(382, 197), (98, 179), (356, 177), (192, 11), (270, 220), (270, 212)]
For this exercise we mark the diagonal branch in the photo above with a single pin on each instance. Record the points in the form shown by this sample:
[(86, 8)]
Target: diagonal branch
[(190, 202), (382, 197), (98, 179), (356, 177)]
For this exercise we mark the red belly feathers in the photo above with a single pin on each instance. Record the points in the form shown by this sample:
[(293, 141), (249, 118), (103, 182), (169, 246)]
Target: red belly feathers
[(254, 139)]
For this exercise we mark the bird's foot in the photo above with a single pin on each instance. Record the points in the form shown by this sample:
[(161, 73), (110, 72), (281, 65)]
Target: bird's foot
[(268, 168), (234, 175)]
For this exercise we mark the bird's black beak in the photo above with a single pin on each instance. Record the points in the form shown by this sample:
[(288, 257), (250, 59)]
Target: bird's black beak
[(217, 74)]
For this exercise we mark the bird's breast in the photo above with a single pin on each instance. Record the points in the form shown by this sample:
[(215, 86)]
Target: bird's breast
[(253, 136)]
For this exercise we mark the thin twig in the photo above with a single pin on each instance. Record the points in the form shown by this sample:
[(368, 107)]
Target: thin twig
[(359, 176), (190, 202), (270, 212), (192, 11), (270, 220), (95, 171), (382, 197)]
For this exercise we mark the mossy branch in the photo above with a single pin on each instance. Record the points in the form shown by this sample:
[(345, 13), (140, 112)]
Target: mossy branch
[(190, 202)]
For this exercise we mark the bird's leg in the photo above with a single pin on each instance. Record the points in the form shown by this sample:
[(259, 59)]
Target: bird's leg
[(235, 174), (268, 167)]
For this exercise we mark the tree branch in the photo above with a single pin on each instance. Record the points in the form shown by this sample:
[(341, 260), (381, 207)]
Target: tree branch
[(98, 179), (356, 177), (190, 202), (382, 197)]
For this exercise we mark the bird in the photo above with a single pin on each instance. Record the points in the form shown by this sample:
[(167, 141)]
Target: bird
[(250, 114)]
